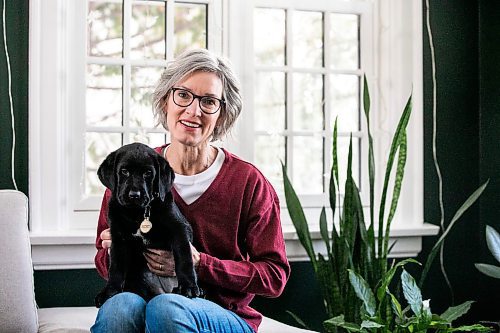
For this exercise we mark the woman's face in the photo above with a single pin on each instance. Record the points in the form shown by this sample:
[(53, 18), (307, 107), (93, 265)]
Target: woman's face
[(189, 125)]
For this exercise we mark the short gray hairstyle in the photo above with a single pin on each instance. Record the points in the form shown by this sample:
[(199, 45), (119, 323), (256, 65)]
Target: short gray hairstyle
[(200, 60)]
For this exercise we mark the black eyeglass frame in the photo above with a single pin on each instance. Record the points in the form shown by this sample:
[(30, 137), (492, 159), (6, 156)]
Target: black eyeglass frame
[(221, 101)]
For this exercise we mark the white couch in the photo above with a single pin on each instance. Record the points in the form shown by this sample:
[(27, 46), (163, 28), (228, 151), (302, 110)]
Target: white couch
[(18, 309)]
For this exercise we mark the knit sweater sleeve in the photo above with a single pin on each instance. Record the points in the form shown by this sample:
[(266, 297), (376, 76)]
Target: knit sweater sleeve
[(101, 259), (265, 270)]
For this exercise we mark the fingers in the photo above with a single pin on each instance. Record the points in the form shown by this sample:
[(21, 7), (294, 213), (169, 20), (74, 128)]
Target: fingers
[(163, 264), (106, 239), (106, 234), (196, 256)]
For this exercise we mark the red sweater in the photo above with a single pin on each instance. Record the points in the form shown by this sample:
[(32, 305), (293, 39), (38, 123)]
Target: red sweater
[(237, 230)]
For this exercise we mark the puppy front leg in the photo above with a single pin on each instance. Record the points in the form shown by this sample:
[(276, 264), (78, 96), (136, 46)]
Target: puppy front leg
[(116, 275), (184, 268)]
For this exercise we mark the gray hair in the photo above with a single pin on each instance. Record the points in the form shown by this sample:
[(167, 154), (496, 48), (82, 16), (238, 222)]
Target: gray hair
[(200, 60)]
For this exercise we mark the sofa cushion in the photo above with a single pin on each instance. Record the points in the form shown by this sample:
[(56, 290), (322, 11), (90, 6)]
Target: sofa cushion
[(80, 319), (66, 320), (17, 303)]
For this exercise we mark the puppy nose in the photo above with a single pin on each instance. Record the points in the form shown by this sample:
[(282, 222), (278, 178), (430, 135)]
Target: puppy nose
[(134, 194)]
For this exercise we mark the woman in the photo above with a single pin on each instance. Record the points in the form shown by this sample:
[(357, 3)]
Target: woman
[(238, 248)]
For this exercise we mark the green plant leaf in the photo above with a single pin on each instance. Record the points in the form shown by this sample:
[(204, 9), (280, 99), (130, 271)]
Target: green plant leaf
[(370, 324), (363, 292), (371, 157), (334, 172), (412, 293), (323, 228), (469, 328), (329, 286), (396, 306), (366, 98), (398, 181), (387, 278), (493, 241), (466, 205), (396, 142), (490, 270), (455, 312), (297, 319), (339, 322), (298, 217)]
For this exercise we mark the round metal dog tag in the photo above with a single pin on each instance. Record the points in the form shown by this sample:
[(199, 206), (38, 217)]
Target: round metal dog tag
[(145, 226)]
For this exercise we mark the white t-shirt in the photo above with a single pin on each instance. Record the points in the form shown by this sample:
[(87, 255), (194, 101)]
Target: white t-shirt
[(192, 187)]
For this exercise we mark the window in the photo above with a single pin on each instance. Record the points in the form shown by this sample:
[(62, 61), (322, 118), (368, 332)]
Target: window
[(307, 73), (128, 45), (93, 65)]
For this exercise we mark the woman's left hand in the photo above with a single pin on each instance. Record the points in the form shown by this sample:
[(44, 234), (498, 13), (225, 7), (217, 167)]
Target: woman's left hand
[(162, 262)]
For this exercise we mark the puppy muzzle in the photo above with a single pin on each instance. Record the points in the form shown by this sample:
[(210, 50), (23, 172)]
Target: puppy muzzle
[(135, 198)]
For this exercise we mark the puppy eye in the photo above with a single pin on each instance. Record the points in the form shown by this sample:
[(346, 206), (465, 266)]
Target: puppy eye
[(125, 172), (148, 174)]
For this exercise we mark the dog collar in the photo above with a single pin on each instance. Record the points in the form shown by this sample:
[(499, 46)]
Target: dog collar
[(146, 225)]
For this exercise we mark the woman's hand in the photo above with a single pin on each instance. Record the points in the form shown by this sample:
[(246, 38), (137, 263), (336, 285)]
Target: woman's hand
[(162, 262), (106, 239)]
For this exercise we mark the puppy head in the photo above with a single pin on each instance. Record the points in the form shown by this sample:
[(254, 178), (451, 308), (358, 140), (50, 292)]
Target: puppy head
[(135, 174)]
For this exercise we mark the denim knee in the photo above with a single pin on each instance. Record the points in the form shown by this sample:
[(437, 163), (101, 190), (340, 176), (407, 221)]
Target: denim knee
[(169, 313), (123, 312)]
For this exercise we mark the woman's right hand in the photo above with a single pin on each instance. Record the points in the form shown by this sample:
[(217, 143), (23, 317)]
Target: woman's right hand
[(106, 239)]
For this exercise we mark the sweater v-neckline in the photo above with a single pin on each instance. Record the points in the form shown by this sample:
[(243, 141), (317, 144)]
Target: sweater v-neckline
[(214, 183)]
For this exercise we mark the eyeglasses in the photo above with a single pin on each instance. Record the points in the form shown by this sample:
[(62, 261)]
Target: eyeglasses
[(185, 98)]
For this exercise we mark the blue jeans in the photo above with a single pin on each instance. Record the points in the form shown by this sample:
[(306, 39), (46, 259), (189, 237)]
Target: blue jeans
[(128, 312)]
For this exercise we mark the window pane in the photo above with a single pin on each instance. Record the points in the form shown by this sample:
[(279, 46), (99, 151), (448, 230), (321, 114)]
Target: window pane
[(143, 81), (308, 39), (345, 102), (344, 38), (190, 27), (269, 36), (342, 156), (308, 164), (104, 29), (98, 146), (269, 150), (151, 139), (308, 101), (147, 30), (270, 101), (104, 95)]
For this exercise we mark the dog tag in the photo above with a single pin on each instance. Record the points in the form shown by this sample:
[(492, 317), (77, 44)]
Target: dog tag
[(146, 225)]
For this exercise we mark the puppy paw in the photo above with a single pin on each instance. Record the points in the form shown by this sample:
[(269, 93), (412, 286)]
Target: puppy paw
[(188, 291)]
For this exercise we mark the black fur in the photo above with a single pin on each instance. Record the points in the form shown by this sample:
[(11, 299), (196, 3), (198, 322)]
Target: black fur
[(139, 177)]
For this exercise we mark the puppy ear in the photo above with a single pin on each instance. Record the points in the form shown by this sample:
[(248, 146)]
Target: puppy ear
[(106, 171), (164, 177)]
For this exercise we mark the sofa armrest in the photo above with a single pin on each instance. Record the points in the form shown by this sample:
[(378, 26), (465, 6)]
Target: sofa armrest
[(18, 311)]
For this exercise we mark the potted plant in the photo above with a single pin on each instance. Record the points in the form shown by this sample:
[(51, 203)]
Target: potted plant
[(353, 251)]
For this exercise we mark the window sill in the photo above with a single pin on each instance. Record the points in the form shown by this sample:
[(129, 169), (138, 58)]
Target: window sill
[(51, 251)]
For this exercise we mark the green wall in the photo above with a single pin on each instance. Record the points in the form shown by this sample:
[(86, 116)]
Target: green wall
[(17, 43), (466, 35)]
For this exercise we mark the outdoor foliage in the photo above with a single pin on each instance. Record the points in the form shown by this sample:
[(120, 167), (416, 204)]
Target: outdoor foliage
[(355, 256)]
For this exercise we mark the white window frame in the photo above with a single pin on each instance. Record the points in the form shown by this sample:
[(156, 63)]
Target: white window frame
[(57, 57)]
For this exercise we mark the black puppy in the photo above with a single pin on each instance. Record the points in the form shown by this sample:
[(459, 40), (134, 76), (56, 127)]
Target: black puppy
[(142, 215)]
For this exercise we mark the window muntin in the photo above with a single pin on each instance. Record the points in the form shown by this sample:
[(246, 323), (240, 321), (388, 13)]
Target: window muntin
[(129, 44), (308, 76)]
